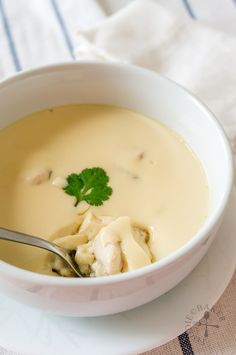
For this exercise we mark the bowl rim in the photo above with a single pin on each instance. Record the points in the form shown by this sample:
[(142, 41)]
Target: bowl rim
[(175, 256)]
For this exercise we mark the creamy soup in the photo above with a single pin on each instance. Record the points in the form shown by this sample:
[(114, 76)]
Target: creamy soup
[(156, 179)]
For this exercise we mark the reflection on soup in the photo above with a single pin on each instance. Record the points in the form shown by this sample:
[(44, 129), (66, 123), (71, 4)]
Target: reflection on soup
[(159, 197)]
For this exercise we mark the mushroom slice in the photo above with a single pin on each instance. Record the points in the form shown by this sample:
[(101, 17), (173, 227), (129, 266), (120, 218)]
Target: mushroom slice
[(39, 176), (141, 235)]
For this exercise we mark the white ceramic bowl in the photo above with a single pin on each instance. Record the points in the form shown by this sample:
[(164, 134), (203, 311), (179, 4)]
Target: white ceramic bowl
[(146, 92)]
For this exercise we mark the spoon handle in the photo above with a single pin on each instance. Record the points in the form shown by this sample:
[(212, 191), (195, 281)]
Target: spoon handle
[(12, 236)]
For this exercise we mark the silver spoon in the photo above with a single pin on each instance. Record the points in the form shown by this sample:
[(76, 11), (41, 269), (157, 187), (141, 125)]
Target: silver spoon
[(12, 236)]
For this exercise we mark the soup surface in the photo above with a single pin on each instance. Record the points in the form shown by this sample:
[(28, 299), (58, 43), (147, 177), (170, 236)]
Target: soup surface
[(156, 179)]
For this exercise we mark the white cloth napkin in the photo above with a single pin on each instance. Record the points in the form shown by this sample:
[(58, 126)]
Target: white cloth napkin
[(196, 56)]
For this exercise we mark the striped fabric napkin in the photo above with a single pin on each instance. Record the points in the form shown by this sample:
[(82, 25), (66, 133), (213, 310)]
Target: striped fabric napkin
[(40, 32)]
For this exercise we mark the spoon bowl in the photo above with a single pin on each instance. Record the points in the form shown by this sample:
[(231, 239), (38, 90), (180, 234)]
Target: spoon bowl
[(13, 236)]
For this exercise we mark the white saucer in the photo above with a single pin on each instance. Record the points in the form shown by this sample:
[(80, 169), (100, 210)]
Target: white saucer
[(27, 330)]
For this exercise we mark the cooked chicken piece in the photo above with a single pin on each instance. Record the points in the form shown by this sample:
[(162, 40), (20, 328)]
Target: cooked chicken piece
[(114, 241), (61, 267), (90, 226), (108, 260), (70, 229), (97, 269), (104, 245), (133, 254), (71, 242), (83, 255), (106, 219), (107, 251)]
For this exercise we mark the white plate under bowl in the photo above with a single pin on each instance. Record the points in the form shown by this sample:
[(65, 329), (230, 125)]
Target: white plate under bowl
[(27, 330)]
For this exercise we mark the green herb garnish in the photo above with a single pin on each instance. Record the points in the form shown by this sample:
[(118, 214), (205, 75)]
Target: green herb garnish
[(91, 185)]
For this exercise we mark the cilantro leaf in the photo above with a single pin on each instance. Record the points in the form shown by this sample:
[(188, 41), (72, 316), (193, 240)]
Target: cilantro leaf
[(91, 185), (75, 184)]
